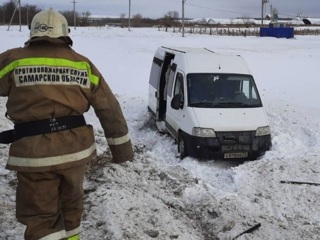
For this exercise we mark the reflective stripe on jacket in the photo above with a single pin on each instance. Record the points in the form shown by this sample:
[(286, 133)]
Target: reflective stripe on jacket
[(46, 79)]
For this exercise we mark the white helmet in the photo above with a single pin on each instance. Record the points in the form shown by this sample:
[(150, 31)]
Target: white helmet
[(49, 23)]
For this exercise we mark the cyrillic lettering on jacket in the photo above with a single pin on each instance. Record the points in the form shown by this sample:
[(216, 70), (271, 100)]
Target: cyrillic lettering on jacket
[(47, 75)]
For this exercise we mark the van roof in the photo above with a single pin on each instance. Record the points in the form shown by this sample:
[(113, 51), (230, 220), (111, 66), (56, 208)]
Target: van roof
[(203, 60)]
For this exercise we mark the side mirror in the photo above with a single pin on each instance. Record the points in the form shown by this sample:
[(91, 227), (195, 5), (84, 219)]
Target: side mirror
[(177, 102)]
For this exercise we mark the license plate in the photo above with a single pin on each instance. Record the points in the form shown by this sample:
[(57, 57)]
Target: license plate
[(236, 155)]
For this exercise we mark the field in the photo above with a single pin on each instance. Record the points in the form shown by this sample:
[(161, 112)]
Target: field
[(157, 196)]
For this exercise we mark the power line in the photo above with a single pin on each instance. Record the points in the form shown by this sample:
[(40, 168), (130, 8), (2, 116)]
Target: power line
[(227, 11), (214, 9)]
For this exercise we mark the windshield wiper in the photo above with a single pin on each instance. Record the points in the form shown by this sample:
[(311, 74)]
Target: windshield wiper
[(202, 104), (233, 104), (223, 104)]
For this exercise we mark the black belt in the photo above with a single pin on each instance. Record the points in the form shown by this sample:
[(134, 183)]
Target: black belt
[(33, 128), (7, 137)]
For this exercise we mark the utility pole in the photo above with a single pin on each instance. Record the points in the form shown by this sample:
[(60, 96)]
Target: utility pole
[(129, 15), (28, 15), (74, 14), (20, 15), (263, 2), (183, 1), (18, 4)]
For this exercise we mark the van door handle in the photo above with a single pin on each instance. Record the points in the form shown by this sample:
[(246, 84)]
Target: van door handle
[(156, 94)]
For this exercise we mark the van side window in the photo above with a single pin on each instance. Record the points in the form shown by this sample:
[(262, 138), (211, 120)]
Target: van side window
[(170, 81), (178, 88), (155, 72)]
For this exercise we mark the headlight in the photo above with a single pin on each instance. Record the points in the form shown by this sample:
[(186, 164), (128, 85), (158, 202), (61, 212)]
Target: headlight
[(261, 131), (203, 132)]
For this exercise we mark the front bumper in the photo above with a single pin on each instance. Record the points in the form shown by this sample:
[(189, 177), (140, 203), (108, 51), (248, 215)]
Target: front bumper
[(228, 145)]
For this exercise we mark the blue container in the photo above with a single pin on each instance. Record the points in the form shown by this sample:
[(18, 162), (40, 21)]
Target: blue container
[(281, 32)]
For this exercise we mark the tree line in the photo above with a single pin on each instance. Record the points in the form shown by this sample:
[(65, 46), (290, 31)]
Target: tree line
[(10, 13), (27, 12)]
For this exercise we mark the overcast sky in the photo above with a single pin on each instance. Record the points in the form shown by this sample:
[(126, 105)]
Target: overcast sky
[(193, 8)]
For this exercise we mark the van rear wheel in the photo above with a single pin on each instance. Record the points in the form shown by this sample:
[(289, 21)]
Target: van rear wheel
[(182, 149)]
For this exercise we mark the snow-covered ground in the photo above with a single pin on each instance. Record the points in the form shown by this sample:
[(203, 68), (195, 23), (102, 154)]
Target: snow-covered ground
[(157, 196)]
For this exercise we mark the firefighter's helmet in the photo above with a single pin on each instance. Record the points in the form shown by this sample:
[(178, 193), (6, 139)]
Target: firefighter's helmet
[(49, 23)]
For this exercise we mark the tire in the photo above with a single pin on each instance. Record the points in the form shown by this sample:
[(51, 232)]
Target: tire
[(182, 148)]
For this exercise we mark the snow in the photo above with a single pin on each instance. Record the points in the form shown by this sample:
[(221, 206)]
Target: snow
[(157, 196)]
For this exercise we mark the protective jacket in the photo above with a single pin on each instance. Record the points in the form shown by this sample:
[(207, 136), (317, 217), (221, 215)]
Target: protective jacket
[(46, 79)]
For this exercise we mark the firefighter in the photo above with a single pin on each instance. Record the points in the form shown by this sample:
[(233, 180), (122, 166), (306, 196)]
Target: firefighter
[(49, 87)]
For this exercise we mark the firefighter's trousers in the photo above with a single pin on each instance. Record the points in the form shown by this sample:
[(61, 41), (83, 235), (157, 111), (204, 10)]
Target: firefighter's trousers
[(50, 203)]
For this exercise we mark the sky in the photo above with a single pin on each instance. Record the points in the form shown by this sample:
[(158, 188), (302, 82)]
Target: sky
[(193, 8), (157, 196)]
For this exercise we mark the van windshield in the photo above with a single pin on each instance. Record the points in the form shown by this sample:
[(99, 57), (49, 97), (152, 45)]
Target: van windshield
[(222, 91)]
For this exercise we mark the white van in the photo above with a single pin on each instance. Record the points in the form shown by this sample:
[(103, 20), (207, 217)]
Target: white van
[(209, 103)]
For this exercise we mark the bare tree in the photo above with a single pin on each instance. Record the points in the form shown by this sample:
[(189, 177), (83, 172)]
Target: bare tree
[(7, 9), (84, 19), (246, 21), (137, 20), (123, 20), (28, 12), (169, 18), (172, 14), (69, 15)]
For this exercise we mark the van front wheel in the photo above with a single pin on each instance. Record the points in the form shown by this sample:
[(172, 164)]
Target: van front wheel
[(182, 149)]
